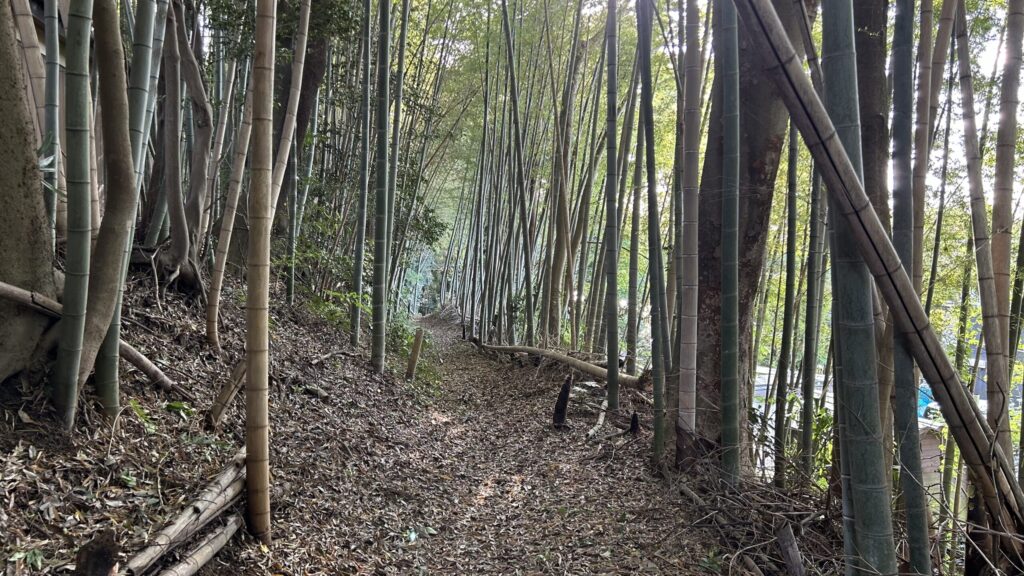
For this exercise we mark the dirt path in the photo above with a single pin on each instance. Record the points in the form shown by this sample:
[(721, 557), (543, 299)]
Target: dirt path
[(506, 493), (459, 473)]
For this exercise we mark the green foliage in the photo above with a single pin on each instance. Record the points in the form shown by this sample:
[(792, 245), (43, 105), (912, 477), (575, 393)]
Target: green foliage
[(33, 558), (142, 415), (182, 409), (335, 307)]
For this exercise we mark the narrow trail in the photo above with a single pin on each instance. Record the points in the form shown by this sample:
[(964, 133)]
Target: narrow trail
[(508, 494), (460, 473)]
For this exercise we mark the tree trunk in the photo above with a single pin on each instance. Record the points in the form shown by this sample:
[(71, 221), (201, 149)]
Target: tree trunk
[(763, 122), (26, 250)]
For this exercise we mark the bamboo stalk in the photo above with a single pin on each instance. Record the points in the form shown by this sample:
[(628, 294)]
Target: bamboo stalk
[(226, 395), (224, 489), (206, 550), (994, 475), (581, 365)]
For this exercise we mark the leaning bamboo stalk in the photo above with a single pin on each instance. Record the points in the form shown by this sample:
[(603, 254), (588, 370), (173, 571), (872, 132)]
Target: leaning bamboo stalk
[(582, 366), (206, 549), (224, 488), (227, 223), (284, 144), (994, 475), (226, 395), (53, 309)]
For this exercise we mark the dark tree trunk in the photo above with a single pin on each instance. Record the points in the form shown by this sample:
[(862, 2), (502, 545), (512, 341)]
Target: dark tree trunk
[(763, 123)]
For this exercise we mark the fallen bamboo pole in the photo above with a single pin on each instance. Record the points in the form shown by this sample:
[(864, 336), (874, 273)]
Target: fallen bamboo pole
[(225, 488), (50, 307), (206, 550), (576, 363), (989, 466)]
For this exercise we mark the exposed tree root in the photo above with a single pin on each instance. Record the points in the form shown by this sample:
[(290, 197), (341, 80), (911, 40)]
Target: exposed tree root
[(52, 308)]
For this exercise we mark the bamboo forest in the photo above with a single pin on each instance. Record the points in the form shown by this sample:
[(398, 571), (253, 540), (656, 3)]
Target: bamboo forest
[(523, 287)]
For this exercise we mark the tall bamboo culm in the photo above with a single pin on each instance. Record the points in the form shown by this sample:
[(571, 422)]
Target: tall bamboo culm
[(611, 242), (905, 380), (257, 425), (853, 316), (381, 218), (727, 55), (364, 176), (76, 284)]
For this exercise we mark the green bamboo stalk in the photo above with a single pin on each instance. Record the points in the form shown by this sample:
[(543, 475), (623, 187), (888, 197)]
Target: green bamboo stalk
[(76, 284), (782, 369), (396, 127), (727, 51), (611, 244), (355, 314), (811, 329), (905, 378), (686, 437), (632, 302), (853, 316), (380, 241)]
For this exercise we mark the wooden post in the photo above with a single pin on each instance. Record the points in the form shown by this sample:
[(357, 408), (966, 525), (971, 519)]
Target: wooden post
[(414, 356)]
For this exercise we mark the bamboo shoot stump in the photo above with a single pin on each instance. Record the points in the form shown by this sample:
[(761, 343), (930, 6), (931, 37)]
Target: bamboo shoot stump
[(414, 356)]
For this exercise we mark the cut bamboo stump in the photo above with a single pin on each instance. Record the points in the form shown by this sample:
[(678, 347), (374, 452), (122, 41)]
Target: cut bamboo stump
[(225, 488), (600, 421), (205, 550), (790, 551), (414, 356)]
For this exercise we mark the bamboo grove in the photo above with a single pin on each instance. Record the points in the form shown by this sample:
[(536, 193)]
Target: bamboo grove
[(782, 221)]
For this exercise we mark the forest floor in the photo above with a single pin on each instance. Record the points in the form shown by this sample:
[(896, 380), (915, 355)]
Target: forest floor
[(458, 472)]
